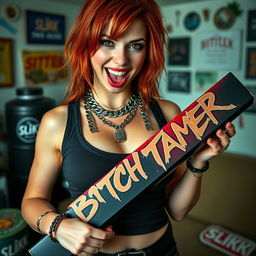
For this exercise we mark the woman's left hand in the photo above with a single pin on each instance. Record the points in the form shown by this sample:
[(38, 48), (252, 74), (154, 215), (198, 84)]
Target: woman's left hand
[(216, 145)]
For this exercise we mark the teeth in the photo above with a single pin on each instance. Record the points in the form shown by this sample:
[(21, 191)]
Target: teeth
[(117, 73)]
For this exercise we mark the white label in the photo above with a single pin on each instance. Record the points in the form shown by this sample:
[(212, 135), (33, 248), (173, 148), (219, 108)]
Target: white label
[(26, 129)]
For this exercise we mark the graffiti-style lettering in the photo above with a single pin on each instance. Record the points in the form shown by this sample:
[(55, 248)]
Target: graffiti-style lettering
[(106, 182), (136, 167), (119, 179), (81, 203)]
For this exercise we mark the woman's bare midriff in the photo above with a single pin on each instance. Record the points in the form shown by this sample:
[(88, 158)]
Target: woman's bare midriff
[(120, 243)]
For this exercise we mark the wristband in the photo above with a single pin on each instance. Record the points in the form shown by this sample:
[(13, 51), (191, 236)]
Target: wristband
[(39, 219), (55, 224), (195, 170)]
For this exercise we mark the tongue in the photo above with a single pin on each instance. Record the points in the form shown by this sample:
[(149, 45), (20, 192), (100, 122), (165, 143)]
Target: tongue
[(114, 78)]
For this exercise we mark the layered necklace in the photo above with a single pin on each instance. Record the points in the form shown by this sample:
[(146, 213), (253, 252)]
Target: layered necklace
[(92, 106)]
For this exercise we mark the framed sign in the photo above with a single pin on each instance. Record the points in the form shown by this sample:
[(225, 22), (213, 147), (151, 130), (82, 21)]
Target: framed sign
[(218, 50), (252, 108), (45, 28), (43, 67), (6, 62), (179, 81), (204, 80), (179, 51), (251, 25), (251, 63)]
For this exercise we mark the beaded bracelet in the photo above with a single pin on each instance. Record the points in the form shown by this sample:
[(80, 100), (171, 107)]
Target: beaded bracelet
[(195, 171), (39, 219), (55, 224)]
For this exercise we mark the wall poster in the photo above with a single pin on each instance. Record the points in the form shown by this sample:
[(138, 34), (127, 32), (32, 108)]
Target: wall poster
[(43, 66), (45, 28), (178, 81), (179, 51), (251, 25), (251, 63), (6, 62), (218, 50), (205, 80)]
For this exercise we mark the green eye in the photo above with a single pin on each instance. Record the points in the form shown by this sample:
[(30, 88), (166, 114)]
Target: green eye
[(136, 46), (107, 43)]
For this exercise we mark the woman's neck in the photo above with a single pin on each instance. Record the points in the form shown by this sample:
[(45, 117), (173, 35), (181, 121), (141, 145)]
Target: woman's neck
[(112, 101)]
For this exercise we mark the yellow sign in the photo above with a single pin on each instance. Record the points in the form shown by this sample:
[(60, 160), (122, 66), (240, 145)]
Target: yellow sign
[(43, 66), (6, 72)]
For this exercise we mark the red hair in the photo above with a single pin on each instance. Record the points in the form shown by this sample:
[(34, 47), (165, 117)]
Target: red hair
[(83, 42)]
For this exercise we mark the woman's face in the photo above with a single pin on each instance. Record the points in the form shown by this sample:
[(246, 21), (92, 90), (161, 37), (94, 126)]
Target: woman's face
[(116, 63)]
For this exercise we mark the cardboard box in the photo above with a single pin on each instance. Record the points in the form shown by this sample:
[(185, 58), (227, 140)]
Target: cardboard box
[(155, 159)]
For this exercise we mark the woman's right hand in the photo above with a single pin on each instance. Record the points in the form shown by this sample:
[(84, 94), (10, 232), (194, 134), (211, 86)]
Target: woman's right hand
[(80, 238)]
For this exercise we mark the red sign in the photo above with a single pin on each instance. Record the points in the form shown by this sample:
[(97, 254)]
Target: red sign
[(227, 242)]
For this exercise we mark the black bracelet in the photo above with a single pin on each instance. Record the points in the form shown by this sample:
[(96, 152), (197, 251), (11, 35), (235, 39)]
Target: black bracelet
[(195, 170), (55, 224), (39, 219)]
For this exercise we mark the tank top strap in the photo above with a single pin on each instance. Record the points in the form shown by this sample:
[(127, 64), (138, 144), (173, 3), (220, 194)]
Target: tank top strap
[(158, 114), (72, 122)]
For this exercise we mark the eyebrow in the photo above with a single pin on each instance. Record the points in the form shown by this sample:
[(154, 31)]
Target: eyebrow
[(133, 41)]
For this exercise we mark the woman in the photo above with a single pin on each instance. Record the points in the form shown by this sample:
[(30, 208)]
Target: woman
[(116, 53)]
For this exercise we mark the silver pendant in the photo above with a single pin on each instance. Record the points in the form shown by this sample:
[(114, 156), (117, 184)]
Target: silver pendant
[(120, 135)]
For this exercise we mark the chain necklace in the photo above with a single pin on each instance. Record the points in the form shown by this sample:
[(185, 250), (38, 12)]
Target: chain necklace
[(92, 106), (97, 108)]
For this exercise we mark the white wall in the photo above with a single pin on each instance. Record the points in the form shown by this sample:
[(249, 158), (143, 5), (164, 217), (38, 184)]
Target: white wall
[(19, 39), (55, 91), (245, 140)]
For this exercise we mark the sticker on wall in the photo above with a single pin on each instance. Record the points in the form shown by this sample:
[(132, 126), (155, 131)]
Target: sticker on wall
[(169, 28), (192, 21), (206, 13), (12, 12), (225, 17), (177, 18), (7, 26)]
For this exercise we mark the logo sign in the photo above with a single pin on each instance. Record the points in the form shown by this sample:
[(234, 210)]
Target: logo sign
[(227, 242), (192, 21), (26, 129), (45, 28)]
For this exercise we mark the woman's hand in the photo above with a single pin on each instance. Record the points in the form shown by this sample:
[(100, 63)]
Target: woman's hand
[(81, 238), (214, 146)]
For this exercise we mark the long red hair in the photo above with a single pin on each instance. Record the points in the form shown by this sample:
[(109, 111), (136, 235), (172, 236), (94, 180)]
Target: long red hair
[(86, 32)]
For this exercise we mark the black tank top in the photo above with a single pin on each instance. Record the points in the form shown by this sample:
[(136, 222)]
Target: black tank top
[(83, 165)]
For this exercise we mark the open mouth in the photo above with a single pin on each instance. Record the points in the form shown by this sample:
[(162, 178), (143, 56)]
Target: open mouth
[(116, 78)]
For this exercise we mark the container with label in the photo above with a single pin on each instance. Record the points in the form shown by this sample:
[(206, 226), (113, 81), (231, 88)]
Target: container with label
[(23, 116), (13, 233)]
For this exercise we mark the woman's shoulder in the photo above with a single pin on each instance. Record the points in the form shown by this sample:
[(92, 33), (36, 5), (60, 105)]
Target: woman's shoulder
[(55, 118), (169, 108)]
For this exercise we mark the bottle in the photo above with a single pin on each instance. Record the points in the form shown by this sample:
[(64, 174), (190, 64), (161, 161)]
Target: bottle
[(23, 116)]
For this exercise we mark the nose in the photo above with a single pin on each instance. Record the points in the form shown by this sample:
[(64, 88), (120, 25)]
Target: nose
[(120, 56)]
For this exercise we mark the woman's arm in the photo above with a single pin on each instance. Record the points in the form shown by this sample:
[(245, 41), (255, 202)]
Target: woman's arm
[(45, 169), (73, 234), (183, 191)]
